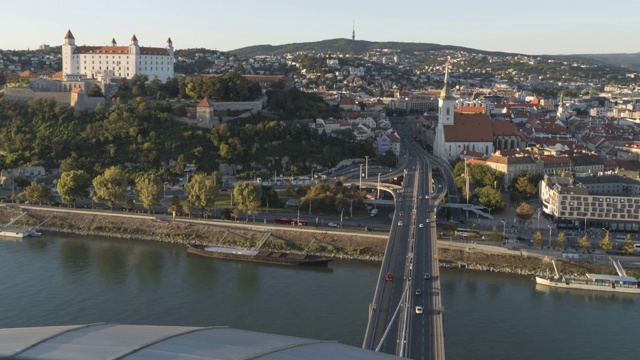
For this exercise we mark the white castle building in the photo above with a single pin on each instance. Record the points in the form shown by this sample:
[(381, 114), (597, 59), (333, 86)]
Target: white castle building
[(106, 62)]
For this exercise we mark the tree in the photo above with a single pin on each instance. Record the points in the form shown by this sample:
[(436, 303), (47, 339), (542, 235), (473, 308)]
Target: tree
[(201, 190), (95, 91), (561, 241), (175, 206), (248, 197), (181, 163), (150, 190), (605, 244), (490, 198), (73, 185), (584, 243), (628, 247), (495, 235), (524, 211), (110, 186), (38, 193), (538, 241)]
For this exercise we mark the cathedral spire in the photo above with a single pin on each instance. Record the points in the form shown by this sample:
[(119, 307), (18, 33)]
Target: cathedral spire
[(446, 94)]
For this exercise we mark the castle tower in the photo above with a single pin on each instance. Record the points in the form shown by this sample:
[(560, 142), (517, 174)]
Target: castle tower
[(113, 42), (68, 48), (169, 47)]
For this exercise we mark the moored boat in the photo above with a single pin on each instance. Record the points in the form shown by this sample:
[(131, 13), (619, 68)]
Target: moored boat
[(595, 282), (262, 256)]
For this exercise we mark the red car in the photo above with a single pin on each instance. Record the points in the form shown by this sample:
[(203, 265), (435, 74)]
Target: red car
[(388, 277)]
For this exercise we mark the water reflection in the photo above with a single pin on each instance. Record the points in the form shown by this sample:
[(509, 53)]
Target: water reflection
[(201, 272), (149, 264), (560, 294), (38, 244), (111, 263), (75, 256)]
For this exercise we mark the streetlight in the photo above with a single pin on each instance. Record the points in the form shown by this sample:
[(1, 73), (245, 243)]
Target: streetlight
[(550, 227), (341, 215), (360, 176), (366, 167), (538, 219), (378, 196), (504, 230)]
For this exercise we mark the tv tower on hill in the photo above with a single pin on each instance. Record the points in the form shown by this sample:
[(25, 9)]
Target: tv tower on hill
[(353, 33)]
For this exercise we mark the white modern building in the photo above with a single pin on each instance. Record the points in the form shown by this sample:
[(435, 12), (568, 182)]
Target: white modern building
[(107, 62), (610, 201)]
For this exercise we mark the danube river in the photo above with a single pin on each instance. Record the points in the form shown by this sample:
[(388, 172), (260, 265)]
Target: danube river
[(63, 279)]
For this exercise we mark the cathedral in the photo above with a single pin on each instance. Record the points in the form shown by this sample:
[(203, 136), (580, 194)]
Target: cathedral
[(107, 62), (477, 133)]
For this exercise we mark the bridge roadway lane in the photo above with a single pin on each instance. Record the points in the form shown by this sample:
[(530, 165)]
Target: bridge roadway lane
[(426, 330), (389, 293)]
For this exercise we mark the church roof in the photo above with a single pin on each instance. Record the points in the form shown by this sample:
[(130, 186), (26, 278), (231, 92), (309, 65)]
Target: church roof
[(469, 128), (503, 128), (169, 40), (134, 38), (69, 35), (204, 103), (470, 110), (446, 91)]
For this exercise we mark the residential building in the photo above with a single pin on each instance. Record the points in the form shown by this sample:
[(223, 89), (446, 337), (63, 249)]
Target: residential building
[(512, 166)]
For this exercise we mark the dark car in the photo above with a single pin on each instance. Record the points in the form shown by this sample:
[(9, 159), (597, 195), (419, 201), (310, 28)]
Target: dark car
[(389, 277), (520, 238), (418, 292), (427, 276)]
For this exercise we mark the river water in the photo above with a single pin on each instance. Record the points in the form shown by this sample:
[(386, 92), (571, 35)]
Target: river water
[(65, 279)]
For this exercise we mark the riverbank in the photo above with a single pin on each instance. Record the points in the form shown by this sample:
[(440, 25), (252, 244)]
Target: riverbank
[(330, 243)]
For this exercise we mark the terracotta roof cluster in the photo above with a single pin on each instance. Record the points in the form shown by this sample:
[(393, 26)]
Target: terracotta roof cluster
[(469, 110), (469, 128), (347, 100)]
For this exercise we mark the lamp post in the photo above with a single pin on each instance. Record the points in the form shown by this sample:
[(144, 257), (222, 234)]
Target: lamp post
[(378, 196), (360, 176), (550, 227), (538, 219), (366, 167), (298, 223), (504, 229), (341, 215)]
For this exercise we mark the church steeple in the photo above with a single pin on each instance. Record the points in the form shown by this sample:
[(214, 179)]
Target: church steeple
[(446, 94)]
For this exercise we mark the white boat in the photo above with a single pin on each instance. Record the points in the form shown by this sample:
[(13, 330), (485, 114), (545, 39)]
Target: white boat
[(594, 282), (33, 233)]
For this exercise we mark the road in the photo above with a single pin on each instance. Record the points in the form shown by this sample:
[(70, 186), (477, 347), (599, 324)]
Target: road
[(395, 326)]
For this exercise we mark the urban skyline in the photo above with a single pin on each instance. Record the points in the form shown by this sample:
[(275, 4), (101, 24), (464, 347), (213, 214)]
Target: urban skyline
[(546, 27)]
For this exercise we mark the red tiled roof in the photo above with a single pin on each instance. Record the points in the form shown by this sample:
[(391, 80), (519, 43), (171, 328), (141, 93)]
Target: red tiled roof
[(470, 110), (69, 35), (469, 128), (347, 100), (119, 50), (204, 103), (76, 90), (134, 38)]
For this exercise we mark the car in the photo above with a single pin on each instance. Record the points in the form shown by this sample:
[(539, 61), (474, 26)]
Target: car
[(389, 277), (426, 196), (520, 238), (439, 186), (400, 223), (421, 225), (401, 213), (485, 237), (418, 310), (427, 276), (418, 292), (332, 224), (428, 220)]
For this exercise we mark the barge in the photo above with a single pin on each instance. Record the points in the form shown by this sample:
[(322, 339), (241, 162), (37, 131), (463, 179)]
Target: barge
[(260, 256)]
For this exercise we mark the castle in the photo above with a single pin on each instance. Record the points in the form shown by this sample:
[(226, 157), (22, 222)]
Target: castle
[(106, 62)]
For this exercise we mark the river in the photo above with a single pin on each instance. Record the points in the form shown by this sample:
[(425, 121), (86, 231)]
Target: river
[(65, 279)]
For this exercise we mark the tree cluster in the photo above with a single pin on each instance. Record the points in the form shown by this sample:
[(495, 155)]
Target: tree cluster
[(333, 198), (231, 86)]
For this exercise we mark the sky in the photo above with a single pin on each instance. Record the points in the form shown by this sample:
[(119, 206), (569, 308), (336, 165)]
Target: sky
[(529, 27)]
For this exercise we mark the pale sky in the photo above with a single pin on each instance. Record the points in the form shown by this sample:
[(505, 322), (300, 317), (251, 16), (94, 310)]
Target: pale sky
[(529, 27)]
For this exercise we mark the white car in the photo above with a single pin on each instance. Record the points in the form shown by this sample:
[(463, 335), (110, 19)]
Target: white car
[(399, 223), (428, 220), (332, 224), (418, 310), (421, 225)]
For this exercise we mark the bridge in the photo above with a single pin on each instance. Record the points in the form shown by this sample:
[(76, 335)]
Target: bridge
[(406, 314)]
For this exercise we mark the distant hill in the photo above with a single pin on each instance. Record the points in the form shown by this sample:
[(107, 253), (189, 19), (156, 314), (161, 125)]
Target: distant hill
[(357, 47), (627, 61), (347, 46)]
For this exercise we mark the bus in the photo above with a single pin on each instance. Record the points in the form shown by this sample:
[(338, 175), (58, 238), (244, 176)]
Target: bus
[(467, 232)]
